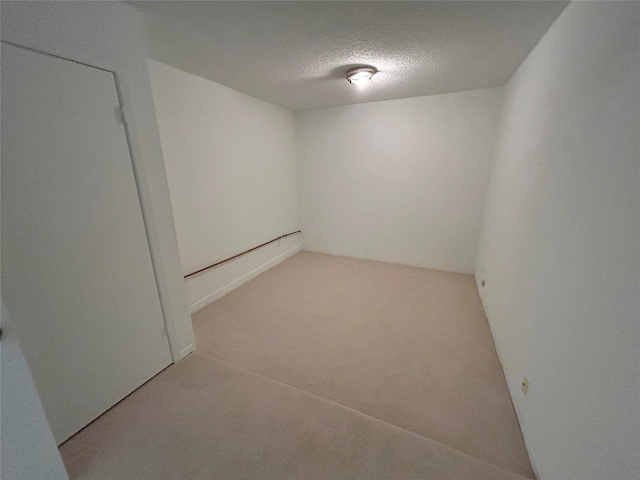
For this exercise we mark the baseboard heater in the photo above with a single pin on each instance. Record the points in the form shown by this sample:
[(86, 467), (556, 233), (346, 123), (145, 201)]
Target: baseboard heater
[(242, 253)]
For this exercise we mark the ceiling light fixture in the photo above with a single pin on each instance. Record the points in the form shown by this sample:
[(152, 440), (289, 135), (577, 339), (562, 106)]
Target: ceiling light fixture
[(361, 76)]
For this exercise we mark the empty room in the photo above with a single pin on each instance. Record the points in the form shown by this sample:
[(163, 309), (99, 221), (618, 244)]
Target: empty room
[(320, 240)]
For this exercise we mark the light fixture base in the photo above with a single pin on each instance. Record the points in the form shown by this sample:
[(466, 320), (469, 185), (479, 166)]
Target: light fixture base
[(361, 75)]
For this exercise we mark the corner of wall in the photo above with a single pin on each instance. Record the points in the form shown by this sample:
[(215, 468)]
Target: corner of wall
[(209, 286)]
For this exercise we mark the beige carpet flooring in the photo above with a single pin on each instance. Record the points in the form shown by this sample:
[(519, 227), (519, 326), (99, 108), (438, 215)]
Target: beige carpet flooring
[(323, 367)]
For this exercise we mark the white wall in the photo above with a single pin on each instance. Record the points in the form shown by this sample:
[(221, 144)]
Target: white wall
[(27, 447), (231, 168), (399, 181), (112, 35), (560, 250)]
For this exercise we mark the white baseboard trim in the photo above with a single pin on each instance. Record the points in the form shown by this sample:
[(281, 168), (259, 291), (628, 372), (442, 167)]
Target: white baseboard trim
[(514, 391), (186, 351), (213, 296)]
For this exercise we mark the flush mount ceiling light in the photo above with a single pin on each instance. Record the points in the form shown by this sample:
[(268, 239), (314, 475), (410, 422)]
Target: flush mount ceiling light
[(360, 76)]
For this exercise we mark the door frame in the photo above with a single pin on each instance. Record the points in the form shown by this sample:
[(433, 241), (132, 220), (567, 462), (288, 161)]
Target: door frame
[(142, 186)]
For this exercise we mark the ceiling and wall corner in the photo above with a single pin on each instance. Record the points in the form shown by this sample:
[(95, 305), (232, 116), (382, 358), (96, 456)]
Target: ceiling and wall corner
[(231, 167), (296, 54)]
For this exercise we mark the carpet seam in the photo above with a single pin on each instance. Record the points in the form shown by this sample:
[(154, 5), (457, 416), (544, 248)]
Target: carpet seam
[(358, 412)]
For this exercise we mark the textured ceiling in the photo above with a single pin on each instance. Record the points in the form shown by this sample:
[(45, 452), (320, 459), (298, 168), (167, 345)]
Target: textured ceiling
[(296, 54)]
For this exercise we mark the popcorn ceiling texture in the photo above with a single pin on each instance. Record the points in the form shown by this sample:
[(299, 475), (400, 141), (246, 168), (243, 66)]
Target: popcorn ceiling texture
[(296, 54)]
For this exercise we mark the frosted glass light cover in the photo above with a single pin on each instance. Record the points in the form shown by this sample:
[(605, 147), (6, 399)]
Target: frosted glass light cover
[(361, 76)]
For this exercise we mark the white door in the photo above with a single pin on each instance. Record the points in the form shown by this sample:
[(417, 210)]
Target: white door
[(77, 277)]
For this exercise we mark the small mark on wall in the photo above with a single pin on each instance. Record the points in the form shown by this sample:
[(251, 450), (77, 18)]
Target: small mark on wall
[(525, 385)]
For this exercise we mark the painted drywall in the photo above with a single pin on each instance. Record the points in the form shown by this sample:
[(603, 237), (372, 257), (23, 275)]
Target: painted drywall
[(399, 181), (208, 287), (559, 250), (27, 447), (231, 167), (112, 35)]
